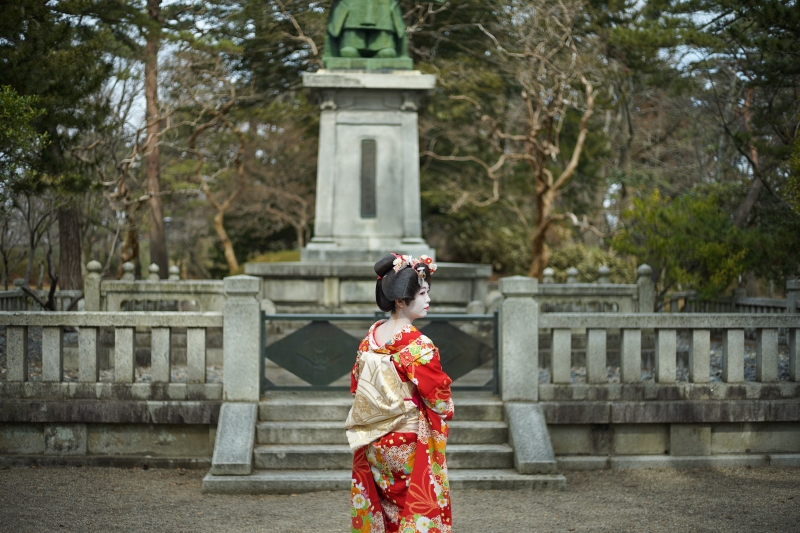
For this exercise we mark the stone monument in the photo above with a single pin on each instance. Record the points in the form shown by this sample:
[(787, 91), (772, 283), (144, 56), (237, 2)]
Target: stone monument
[(368, 199), (368, 172)]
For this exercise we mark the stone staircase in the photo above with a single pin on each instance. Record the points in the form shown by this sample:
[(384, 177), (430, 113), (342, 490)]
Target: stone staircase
[(300, 446)]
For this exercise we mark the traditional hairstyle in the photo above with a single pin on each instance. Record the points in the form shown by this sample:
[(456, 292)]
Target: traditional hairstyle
[(399, 278)]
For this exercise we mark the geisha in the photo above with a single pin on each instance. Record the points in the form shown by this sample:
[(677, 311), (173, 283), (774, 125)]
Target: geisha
[(398, 424)]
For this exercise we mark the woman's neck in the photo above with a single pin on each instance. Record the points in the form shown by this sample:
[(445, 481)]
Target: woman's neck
[(398, 321), (395, 323)]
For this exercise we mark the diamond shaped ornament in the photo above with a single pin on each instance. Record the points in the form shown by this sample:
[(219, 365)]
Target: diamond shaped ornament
[(318, 353), (460, 353)]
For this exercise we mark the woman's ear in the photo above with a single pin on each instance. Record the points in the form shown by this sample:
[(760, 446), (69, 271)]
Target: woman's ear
[(399, 303)]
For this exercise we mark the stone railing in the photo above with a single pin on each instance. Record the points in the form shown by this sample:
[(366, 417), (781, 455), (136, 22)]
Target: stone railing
[(522, 327), (123, 382), (738, 302), (652, 390), (18, 300), (730, 327), (124, 379), (600, 297), (153, 294)]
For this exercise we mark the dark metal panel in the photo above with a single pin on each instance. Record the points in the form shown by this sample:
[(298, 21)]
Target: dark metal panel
[(321, 353), (318, 353), (460, 353)]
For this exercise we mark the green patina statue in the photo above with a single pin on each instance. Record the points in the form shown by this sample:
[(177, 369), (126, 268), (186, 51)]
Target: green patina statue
[(366, 34)]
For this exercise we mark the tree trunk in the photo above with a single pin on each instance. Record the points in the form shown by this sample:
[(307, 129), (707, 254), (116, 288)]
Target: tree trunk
[(227, 246), (69, 238), (754, 190), (130, 251), (540, 254), (723, 133), (158, 241)]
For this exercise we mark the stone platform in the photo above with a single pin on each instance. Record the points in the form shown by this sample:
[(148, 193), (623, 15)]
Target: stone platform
[(349, 287)]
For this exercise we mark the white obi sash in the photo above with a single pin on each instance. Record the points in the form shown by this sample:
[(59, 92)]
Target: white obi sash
[(382, 403)]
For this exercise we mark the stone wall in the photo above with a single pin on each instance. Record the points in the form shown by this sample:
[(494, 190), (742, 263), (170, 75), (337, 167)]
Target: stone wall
[(129, 433), (582, 446)]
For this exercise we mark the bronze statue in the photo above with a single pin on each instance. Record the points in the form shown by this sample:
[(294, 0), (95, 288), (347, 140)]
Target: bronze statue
[(366, 29)]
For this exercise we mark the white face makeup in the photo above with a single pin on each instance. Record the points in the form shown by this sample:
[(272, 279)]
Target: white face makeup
[(418, 307)]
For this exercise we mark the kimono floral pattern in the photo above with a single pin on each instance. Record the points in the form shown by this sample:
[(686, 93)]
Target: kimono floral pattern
[(401, 480)]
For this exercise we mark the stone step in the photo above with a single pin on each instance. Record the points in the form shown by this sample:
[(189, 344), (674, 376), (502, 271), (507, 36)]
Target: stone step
[(339, 456), (330, 432), (478, 409), (297, 481), (336, 407), (305, 408)]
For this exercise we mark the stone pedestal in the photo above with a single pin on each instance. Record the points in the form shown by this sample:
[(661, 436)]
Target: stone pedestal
[(368, 201)]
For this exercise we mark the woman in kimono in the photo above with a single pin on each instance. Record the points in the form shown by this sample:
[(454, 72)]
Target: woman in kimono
[(399, 469)]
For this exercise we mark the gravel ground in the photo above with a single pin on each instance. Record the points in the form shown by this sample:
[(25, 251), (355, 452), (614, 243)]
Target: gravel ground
[(133, 500)]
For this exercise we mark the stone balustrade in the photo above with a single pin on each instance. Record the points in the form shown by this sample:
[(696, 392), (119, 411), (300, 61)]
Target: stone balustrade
[(645, 416), (731, 327), (593, 414), (18, 300), (152, 294), (239, 321), (519, 359), (124, 326), (602, 296), (738, 302)]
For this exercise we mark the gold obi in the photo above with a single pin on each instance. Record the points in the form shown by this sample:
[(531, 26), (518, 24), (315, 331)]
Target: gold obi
[(382, 402)]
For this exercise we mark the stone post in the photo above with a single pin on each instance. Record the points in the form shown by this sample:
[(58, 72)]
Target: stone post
[(792, 295), (127, 271), (738, 295), (519, 340), (174, 273), (18, 284), (548, 276), (647, 290), (572, 275), (241, 339), (91, 287), (603, 275), (153, 273)]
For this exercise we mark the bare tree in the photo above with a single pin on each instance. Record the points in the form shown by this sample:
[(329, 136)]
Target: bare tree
[(38, 214), (12, 246), (282, 165), (216, 141), (533, 47)]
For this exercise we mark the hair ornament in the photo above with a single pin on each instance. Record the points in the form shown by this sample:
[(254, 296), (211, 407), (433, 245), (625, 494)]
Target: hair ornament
[(417, 264), (429, 262), (420, 274)]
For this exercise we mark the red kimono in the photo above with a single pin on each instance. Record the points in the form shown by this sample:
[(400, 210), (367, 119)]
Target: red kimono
[(396, 489)]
